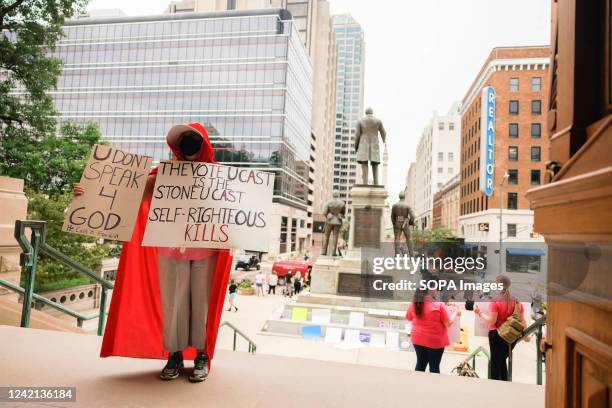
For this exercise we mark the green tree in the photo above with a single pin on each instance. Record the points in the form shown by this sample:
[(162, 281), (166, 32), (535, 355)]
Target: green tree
[(437, 234), (30, 30)]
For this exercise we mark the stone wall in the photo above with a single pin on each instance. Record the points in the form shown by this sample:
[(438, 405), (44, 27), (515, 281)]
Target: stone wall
[(14, 206)]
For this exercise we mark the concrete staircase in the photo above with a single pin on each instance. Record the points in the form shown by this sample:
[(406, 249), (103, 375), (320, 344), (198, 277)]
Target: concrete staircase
[(32, 357), (10, 315)]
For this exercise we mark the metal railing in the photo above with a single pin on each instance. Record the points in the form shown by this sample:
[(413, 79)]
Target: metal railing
[(29, 259), (252, 345), (536, 327)]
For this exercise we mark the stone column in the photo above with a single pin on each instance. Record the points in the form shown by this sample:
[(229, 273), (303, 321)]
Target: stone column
[(14, 207)]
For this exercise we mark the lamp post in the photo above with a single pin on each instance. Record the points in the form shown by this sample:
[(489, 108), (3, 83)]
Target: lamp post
[(501, 207)]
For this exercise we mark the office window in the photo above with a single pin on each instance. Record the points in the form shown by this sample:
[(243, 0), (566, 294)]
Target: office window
[(511, 228), (451, 156), (535, 177), (536, 130), (513, 130), (536, 107), (450, 170), (536, 153), (514, 108), (513, 153), (451, 126), (440, 170), (536, 84), (512, 201), (514, 84), (440, 156), (512, 176), (441, 126), (231, 4)]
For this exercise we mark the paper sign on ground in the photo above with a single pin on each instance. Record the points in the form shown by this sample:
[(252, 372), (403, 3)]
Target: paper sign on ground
[(114, 182), (392, 340), (333, 335), (311, 332), (351, 337), (356, 319), (321, 316), (204, 205), (299, 314)]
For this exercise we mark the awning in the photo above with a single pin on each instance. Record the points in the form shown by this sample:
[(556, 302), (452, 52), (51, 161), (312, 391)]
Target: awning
[(525, 251)]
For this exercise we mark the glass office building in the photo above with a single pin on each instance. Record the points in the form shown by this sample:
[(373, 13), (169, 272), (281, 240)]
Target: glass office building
[(349, 101), (244, 74)]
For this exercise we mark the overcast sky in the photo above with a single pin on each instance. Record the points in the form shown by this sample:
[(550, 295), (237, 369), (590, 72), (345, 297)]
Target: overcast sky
[(420, 55)]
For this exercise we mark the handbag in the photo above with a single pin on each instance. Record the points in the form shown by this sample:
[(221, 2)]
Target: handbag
[(512, 329)]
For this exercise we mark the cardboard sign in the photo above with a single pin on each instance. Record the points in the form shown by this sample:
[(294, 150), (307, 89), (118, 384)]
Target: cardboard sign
[(204, 205), (114, 183)]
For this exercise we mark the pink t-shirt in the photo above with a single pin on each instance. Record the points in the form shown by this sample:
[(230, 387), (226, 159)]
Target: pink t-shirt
[(503, 313), (428, 329), (192, 254)]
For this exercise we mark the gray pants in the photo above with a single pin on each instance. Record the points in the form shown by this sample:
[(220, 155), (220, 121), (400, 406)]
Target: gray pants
[(184, 286)]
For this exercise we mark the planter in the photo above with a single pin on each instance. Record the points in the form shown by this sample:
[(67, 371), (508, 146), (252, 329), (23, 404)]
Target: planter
[(246, 291)]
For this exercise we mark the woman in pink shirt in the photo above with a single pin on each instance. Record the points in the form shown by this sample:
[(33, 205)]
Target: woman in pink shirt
[(430, 321), (499, 310)]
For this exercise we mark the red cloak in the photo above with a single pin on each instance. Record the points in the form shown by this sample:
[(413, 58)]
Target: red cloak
[(134, 327)]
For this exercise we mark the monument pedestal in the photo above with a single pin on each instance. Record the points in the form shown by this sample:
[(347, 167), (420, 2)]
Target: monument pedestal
[(342, 276), (14, 206)]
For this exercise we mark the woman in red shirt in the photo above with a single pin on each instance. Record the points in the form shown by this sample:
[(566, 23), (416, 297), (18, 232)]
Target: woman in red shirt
[(499, 310), (429, 335)]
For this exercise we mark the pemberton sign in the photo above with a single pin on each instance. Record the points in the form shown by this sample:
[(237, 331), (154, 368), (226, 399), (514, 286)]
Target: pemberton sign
[(487, 141)]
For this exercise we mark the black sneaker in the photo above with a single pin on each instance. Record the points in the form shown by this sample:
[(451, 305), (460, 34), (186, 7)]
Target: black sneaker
[(173, 366), (200, 368)]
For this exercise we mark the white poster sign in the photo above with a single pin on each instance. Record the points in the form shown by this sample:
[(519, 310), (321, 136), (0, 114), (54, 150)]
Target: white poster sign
[(204, 205)]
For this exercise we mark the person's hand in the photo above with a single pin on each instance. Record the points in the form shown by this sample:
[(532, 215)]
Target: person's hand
[(477, 310), (78, 189), (527, 339), (458, 313)]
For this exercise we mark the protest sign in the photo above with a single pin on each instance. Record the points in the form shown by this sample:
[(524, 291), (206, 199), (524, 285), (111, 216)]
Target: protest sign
[(114, 183), (205, 205)]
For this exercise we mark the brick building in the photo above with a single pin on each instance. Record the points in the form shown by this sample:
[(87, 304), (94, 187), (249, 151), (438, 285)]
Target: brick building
[(519, 77)]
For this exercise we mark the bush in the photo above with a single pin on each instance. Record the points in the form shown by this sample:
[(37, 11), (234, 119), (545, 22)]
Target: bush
[(245, 284)]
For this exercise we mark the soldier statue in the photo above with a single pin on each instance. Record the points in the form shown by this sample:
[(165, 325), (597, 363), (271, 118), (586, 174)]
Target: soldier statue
[(367, 146), (402, 219), (334, 216)]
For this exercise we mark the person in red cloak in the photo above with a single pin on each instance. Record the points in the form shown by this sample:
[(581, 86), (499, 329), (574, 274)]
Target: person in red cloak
[(167, 302)]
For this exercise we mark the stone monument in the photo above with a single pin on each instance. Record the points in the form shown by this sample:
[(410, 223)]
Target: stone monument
[(402, 219), (334, 212), (367, 146), (343, 276)]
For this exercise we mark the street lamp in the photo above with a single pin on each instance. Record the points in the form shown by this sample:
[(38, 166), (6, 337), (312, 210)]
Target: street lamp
[(501, 206)]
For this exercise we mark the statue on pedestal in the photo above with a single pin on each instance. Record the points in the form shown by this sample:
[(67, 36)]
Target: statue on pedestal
[(402, 219), (367, 146), (334, 211)]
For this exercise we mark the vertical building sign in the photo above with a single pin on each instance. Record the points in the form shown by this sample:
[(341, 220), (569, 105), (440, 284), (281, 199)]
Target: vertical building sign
[(487, 141)]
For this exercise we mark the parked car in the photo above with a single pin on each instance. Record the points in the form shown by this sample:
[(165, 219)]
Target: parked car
[(282, 268), (247, 262)]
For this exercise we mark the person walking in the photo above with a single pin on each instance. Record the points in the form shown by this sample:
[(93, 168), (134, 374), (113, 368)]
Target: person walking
[(259, 282), (288, 285), (272, 282), (430, 322), (500, 309), (297, 283), (232, 289)]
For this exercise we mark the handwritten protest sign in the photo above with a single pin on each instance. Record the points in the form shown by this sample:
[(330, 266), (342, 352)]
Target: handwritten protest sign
[(114, 182), (204, 205)]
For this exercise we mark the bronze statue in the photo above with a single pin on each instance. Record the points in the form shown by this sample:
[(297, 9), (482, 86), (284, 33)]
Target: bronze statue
[(334, 211), (367, 146), (402, 219)]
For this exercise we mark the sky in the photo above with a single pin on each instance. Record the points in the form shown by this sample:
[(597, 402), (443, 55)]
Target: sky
[(420, 55)]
